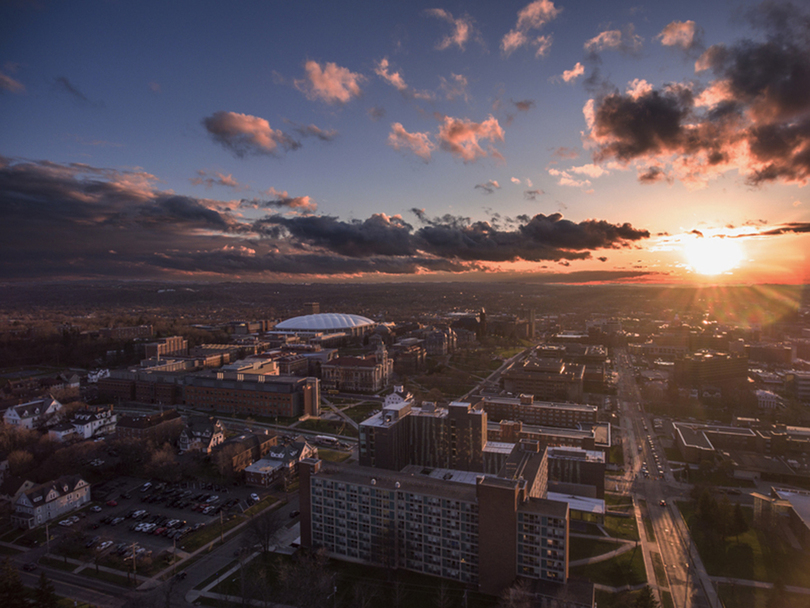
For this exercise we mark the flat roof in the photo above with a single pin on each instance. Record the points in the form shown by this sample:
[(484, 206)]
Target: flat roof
[(799, 500), (408, 481), (499, 447), (579, 503)]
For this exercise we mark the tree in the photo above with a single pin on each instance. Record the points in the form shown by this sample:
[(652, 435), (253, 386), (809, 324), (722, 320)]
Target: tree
[(306, 582), (45, 594), (11, 588), (739, 523), (646, 599), (519, 595), (261, 530)]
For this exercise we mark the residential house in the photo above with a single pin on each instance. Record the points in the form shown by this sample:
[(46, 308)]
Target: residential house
[(281, 463), (33, 414), (50, 500), (202, 433)]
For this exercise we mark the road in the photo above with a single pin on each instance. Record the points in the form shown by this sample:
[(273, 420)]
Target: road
[(688, 582)]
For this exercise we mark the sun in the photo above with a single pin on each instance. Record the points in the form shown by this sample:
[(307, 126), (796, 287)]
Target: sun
[(713, 255)]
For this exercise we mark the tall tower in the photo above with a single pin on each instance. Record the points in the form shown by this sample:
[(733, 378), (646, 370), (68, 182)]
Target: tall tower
[(312, 308)]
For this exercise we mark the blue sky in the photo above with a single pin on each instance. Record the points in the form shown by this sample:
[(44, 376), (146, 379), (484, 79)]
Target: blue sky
[(199, 119)]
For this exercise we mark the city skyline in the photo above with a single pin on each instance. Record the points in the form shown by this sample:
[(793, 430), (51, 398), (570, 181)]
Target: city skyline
[(568, 141)]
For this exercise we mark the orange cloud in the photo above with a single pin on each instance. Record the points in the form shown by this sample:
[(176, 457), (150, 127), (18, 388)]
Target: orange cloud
[(418, 143), (461, 137), (329, 83), (533, 16)]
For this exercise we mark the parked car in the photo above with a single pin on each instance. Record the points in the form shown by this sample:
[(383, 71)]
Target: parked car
[(95, 509), (112, 503), (29, 567), (254, 497)]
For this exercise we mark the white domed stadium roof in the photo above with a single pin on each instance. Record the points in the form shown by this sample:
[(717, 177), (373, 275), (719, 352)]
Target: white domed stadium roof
[(325, 322)]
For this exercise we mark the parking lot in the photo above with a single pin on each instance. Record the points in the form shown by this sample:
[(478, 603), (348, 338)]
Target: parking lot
[(155, 515)]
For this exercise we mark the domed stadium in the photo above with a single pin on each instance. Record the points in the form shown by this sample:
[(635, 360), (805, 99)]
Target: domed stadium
[(328, 323)]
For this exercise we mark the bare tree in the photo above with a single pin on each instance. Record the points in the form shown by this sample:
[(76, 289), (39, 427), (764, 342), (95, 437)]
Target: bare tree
[(261, 530)]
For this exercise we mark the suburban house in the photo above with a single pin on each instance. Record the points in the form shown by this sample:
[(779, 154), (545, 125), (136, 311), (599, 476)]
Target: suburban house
[(50, 500), (85, 424), (202, 433), (32, 414), (238, 452), (280, 463)]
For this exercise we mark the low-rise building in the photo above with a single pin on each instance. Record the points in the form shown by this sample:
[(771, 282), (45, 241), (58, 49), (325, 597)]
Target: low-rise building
[(163, 426), (367, 374), (50, 500), (280, 463), (201, 434), (540, 413), (33, 414)]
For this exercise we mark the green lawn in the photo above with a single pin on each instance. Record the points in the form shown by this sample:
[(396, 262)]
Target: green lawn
[(327, 426), (737, 596), (580, 548), (361, 411), (333, 455), (666, 600), (615, 500), (621, 527), (624, 569), (419, 590), (757, 555)]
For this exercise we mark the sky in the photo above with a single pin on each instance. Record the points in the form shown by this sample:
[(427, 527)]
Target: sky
[(573, 140)]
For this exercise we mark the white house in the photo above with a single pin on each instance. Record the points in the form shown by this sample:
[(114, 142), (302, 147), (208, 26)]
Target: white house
[(94, 422), (50, 500), (32, 414)]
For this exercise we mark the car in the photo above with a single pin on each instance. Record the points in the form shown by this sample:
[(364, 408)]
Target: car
[(662, 503), (112, 503), (295, 513), (95, 509), (104, 545), (66, 523), (92, 541), (29, 567), (254, 497)]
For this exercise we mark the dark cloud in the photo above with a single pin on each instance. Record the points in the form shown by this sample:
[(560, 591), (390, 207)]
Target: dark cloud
[(563, 152), (75, 220), (652, 175), (376, 113), (789, 228), (525, 105), (488, 187), (314, 131), (300, 203), (531, 195), (378, 235), (63, 85), (754, 116), (247, 135)]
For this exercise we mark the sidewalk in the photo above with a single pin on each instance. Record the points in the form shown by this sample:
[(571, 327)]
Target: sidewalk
[(286, 536)]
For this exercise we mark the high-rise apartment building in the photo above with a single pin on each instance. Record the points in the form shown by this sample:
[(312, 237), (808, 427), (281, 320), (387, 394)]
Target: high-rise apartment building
[(485, 531)]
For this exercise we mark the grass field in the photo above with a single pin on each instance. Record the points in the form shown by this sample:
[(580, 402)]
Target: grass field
[(621, 527), (580, 548), (738, 596), (361, 411), (625, 569), (757, 555), (333, 455)]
